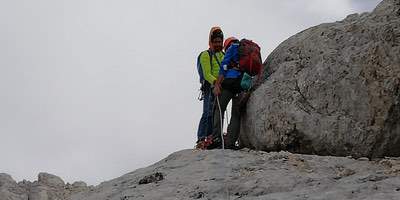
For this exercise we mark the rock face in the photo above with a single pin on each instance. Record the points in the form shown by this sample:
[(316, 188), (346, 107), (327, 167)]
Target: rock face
[(333, 89), (48, 187), (9, 189), (50, 180)]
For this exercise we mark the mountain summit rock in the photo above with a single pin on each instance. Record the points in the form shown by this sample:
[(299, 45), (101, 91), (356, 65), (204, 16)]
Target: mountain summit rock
[(244, 174), (333, 89)]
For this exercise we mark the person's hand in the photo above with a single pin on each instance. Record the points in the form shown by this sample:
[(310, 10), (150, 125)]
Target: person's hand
[(217, 89)]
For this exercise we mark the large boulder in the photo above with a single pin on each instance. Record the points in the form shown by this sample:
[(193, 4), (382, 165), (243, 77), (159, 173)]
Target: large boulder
[(9, 189), (50, 180), (47, 187), (52, 187), (333, 89)]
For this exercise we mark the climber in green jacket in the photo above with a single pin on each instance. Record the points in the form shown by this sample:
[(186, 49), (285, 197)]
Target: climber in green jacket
[(208, 64)]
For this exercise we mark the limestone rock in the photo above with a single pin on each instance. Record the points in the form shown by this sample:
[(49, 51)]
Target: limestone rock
[(6, 179), (47, 187), (76, 187), (50, 180), (39, 192), (253, 175), (9, 189), (333, 89), (227, 174), (79, 184)]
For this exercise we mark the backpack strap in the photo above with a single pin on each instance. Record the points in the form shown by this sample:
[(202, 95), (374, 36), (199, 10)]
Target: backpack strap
[(203, 82), (210, 54), (216, 58)]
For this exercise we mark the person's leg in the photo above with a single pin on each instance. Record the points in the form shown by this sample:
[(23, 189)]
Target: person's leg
[(210, 113), (224, 99), (202, 129), (234, 124)]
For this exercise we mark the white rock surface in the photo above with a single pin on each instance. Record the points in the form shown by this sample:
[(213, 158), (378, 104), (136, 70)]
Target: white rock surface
[(50, 180), (48, 187), (333, 89), (9, 189), (243, 174), (250, 175)]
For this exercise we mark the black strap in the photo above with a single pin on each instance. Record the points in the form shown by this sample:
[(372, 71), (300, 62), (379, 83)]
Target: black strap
[(216, 58), (212, 54), (204, 83)]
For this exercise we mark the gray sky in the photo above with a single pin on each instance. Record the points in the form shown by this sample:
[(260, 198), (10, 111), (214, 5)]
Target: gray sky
[(93, 89)]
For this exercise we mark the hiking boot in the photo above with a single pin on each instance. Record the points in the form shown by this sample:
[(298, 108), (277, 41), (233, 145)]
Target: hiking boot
[(202, 143), (216, 143), (207, 142), (234, 147)]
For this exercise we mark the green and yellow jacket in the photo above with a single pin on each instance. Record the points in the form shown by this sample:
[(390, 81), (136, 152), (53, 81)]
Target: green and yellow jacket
[(211, 69)]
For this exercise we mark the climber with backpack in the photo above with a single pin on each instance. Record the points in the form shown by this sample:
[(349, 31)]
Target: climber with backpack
[(208, 64), (241, 62)]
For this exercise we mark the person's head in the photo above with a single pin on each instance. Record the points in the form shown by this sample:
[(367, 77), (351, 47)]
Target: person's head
[(216, 39), (229, 41)]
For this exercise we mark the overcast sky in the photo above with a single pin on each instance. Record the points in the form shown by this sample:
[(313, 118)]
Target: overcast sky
[(93, 89)]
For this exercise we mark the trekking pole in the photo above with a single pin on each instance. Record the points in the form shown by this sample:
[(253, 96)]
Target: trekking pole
[(221, 123)]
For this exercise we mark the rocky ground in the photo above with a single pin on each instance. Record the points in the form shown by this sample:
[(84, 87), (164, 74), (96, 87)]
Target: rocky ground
[(248, 174), (227, 174)]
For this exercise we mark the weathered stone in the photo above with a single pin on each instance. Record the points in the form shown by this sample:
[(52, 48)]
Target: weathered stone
[(333, 89), (152, 178), (251, 175), (6, 179), (363, 159), (79, 186), (39, 193), (9, 189), (48, 187), (50, 180)]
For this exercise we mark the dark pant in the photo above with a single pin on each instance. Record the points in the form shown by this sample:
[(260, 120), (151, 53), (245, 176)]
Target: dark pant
[(206, 122), (230, 89)]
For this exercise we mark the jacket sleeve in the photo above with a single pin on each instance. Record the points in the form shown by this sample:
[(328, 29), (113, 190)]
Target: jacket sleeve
[(206, 67), (229, 56)]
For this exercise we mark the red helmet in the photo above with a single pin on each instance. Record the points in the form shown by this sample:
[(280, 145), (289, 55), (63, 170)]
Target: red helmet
[(229, 41)]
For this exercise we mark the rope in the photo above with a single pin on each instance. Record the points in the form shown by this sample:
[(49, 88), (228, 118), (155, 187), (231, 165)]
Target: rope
[(227, 119), (223, 146), (221, 123)]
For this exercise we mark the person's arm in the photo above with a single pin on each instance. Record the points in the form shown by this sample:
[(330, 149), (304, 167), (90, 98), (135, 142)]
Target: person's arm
[(206, 67), (228, 58), (217, 85)]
